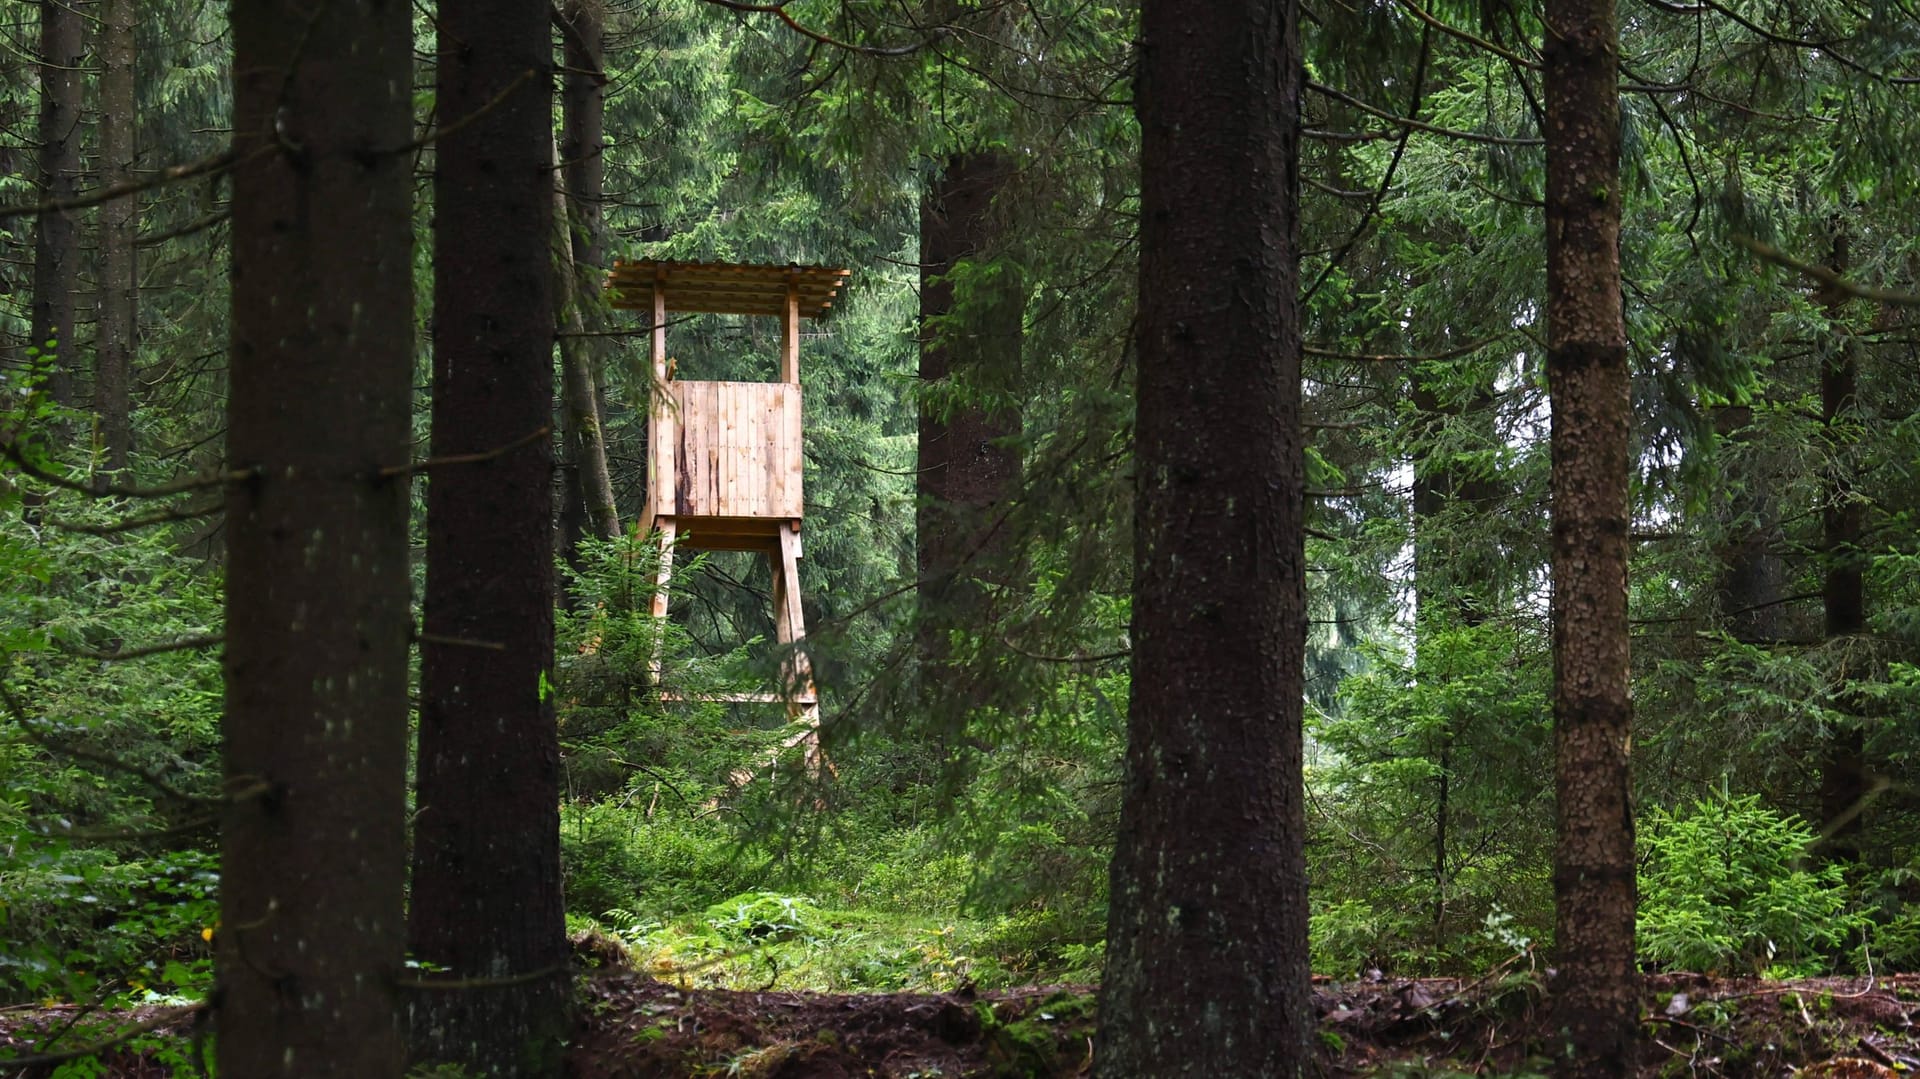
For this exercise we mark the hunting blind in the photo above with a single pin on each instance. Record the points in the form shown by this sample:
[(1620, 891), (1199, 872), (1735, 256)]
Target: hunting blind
[(724, 459)]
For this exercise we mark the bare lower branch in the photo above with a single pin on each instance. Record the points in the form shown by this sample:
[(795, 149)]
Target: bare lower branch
[(1825, 276), (1416, 125), (459, 642), (184, 644), (1433, 357), (481, 983), (206, 166), (13, 452), (466, 458), (45, 740), (198, 224), (445, 130), (129, 524)]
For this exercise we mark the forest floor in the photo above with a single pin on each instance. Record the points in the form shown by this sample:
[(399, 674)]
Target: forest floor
[(633, 1026), (1832, 1028)]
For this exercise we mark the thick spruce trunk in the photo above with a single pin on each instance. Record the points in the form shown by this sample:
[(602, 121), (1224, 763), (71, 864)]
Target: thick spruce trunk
[(1845, 784), (1595, 992), (486, 866), (968, 466), (313, 847), (56, 250), (119, 221), (1206, 971)]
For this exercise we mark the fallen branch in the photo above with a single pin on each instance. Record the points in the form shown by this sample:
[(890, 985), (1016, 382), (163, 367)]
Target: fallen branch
[(96, 1048)]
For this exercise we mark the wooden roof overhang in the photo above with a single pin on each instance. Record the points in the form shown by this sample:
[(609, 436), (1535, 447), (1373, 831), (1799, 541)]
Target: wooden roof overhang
[(724, 288)]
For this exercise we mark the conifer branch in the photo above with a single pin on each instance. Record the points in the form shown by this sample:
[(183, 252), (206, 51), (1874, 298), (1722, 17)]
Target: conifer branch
[(213, 165), (779, 10), (481, 457), (1416, 125), (45, 740), (1832, 280), (184, 644), (12, 451)]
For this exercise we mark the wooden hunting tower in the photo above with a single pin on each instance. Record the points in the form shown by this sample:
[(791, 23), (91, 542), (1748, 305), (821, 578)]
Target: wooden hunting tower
[(724, 458)]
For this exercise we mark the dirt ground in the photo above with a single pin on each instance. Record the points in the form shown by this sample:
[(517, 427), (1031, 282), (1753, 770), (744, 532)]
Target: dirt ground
[(633, 1027), (1836, 1028)]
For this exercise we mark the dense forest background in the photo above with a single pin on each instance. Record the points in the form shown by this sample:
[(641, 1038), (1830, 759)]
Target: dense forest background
[(969, 411)]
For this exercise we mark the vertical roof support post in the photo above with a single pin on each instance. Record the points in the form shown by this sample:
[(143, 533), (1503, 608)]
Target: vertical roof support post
[(660, 454), (790, 334), (660, 328)]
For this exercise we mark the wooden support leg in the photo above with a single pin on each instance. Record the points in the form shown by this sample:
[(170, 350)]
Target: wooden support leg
[(662, 577), (790, 628)]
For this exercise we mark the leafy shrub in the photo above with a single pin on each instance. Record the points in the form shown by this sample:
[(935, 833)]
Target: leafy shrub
[(663, 866), (760, 915), (1727, 885)]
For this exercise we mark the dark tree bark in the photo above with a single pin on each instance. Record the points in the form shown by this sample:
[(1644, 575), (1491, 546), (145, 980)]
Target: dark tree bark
[(486, 869), (967, 466), (1752, 576), (1595, 992), (56, 252), (1845, 784), (589, 491), (119, 221), (313, 844), (590, 484), (1206, 969)]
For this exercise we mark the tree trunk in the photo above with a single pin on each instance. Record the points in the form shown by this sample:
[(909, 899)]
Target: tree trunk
[(1206, 971), (1595, 992), (1844, 781), (967, 470), (1752, 575), (56, 252), (585, 445), (314, 843), (1451, 589), (587, 493), (119, 221), (486, 867)]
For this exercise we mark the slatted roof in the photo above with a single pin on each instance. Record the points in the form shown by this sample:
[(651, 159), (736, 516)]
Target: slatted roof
[(724, 288)]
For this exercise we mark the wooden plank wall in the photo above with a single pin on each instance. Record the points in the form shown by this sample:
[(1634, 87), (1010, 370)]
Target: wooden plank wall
[(737, 451)]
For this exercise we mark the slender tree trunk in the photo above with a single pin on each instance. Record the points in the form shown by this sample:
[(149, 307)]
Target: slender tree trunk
[(1595, 992), (587, 493), (1752, 576), (584, 446), (1206, 970), (486, 868), (967, 468), (1453, 588), (119, 221), (1844, 782), (56, 253), (313, 845)]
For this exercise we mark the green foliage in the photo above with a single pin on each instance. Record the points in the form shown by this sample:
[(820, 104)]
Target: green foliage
[(97, 750), (1727, 885), (1428, 807)]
